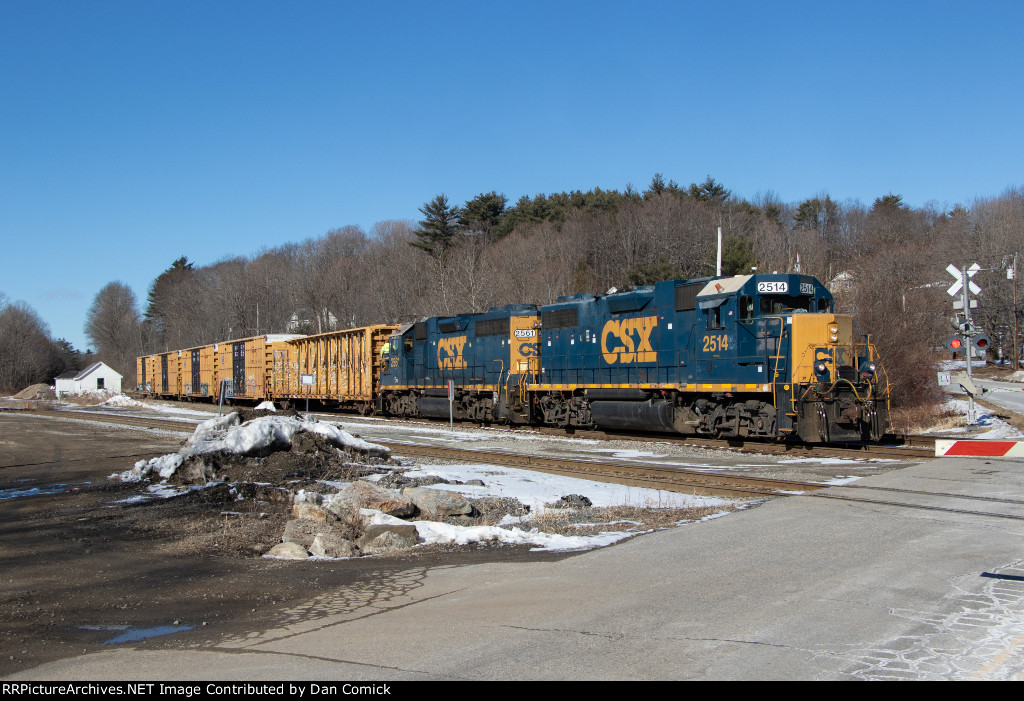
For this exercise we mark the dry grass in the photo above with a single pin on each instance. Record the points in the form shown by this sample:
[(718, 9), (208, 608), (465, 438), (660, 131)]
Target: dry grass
[(918, 419)]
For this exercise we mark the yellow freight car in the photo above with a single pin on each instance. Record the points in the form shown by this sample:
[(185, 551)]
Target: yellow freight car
[(144, 370), (345, 365), (246, 366), (198, 372), (166, 377)]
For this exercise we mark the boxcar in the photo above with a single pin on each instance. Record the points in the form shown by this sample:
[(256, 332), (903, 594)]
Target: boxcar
[(345, 367), (245, 366)]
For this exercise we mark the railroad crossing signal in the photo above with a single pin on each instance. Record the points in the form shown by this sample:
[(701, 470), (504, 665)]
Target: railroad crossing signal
[(970, 337), (954, 290)]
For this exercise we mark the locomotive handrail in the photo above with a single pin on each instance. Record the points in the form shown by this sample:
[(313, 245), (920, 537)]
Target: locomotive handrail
[(778, 352)]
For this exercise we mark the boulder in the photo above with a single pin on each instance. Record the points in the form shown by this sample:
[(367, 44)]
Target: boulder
[(365, 495), (288, 551), (302, 531), (571, 501), (437, 502), (404, 530), (309, 510), (328, 545), (343, 510), (385, 543)]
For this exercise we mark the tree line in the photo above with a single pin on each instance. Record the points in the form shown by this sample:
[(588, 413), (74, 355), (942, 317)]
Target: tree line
[(884, 262), (28, 353)]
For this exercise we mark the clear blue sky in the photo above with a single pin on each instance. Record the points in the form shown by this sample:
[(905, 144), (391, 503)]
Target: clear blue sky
[(135, 132)]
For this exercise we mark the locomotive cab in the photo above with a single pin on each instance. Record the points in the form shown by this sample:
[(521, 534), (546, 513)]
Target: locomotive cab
[(827, 384)]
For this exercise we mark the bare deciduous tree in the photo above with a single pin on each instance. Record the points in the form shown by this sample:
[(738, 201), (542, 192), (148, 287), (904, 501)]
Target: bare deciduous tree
[(114, 327)]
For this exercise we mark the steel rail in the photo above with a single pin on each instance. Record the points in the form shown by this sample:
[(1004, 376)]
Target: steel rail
[(669, 478)]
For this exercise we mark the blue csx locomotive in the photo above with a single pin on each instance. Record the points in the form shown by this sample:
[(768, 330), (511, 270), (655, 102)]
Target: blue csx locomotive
[(750, 355)]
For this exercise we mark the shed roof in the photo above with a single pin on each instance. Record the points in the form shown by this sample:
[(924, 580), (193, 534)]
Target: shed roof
[(93, 368)]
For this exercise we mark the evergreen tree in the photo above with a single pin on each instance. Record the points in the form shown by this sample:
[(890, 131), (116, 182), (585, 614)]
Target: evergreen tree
[(737, 255), (816, 214), (709, 191), (484, 214), (658, 186), (438, 228), (890, 203), (161, 295), (650, 273)]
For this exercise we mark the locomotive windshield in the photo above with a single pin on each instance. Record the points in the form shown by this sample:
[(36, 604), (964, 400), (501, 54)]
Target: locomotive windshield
[(777, 304), (780, 304)]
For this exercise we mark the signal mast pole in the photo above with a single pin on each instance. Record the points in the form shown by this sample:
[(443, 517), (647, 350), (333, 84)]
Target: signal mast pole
[(1016, 343), (968, 332)]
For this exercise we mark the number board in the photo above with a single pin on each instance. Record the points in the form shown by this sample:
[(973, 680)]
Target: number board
[(772, 287)]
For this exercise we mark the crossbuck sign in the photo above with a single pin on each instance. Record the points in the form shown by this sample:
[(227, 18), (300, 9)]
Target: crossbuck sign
[(954, 290)]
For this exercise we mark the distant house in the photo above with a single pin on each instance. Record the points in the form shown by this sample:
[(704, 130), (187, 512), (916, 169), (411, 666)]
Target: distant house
[(308, 321), (98, 377)]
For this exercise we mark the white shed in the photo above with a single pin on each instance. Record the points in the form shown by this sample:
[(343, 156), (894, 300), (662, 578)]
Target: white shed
[(98, 377)]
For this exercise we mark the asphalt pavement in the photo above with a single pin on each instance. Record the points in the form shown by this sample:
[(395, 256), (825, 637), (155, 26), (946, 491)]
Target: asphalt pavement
[(801, 587)]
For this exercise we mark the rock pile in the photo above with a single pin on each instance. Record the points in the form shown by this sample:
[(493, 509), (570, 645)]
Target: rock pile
[(322, 476), (343, 524)]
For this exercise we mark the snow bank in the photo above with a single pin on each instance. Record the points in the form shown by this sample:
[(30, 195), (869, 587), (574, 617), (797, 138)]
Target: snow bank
[(226, 434), (122, 400), (434, 532)]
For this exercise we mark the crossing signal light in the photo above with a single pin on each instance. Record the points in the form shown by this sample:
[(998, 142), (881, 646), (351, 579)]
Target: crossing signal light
[(981, 342), (955, 343)]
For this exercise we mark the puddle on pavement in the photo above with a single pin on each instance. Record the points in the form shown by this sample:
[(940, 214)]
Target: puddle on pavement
[(134, 635), (41, 491)]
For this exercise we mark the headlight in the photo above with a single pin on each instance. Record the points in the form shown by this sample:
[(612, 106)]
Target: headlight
[(821, 368)]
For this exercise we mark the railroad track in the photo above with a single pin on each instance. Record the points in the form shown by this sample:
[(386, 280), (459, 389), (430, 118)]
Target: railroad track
[(180, 425), (837, 493), (668, 478), (675, 479)]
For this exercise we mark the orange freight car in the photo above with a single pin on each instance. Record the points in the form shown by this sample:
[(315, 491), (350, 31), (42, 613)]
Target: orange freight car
[(246, 366), (165, 380), (345, 365), (198, 372), (144, 371)]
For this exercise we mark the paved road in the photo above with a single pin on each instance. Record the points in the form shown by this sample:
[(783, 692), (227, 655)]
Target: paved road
[(799, 588), (1009, 395)]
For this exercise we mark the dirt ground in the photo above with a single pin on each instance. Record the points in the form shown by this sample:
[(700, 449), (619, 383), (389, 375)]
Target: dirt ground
[(81, 566)]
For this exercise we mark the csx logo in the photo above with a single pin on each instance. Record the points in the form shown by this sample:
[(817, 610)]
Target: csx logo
[(449, 353), (629, 340), (529, 350)]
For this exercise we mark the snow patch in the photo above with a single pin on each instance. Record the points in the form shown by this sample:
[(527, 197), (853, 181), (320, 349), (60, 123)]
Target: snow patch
[(226, 434)]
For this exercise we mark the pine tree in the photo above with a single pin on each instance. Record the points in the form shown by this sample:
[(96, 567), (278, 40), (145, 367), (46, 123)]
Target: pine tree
[(439, 227)]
